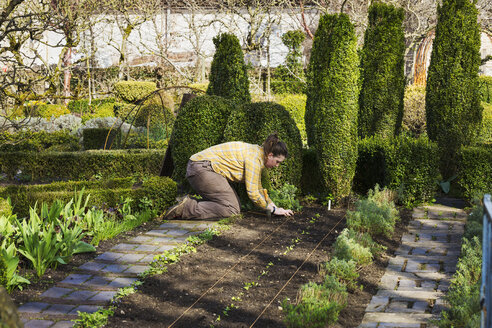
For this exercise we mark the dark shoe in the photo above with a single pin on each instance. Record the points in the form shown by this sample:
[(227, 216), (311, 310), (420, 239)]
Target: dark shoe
[(176, 211)]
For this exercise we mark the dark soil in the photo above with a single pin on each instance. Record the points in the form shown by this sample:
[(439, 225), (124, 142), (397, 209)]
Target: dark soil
[(52, 276), (200, 288)]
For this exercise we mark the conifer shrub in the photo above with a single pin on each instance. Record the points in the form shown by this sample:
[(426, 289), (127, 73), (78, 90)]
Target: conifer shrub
[(453, 108), (228, 74), (311, 181), (382, 72), (200, 124), (133, 91), (332, 102), (254, 122)]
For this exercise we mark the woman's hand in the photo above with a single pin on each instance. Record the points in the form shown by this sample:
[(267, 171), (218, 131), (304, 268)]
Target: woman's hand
[(281, 211)]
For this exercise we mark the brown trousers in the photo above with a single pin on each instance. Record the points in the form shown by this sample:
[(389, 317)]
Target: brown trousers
[(218, 197)]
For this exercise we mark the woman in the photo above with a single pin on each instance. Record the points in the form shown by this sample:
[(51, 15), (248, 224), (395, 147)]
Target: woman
[(210, 171)]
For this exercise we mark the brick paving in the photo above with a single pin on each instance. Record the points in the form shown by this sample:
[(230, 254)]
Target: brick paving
[(411, 290), (96, 282)]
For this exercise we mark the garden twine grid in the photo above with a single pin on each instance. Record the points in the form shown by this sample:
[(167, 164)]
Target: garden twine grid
[(249, 253)]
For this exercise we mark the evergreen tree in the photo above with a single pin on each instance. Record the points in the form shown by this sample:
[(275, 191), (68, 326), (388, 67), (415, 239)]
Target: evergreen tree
[(228, 74), (382, 72), (332, 102), (291, 75), (453, 108)]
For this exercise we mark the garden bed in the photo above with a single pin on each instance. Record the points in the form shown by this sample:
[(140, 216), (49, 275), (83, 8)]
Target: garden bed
[(247, 289)]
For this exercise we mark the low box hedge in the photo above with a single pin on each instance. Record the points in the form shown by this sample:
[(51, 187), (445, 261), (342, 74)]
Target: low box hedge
[(49, 166), (101, 138), (161, 190)]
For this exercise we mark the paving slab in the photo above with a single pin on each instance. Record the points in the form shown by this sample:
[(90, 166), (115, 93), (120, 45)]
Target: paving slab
[(99, 280), (411, 291)]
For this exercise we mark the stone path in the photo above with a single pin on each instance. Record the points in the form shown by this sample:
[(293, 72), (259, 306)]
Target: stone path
[(416, 279), (96, 282)]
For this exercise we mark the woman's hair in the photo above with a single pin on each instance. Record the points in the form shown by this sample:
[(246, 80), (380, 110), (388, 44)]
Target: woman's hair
[(273, 145)]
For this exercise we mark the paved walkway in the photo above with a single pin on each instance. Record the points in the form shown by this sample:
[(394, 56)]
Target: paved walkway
[(96, 282), (416, 279)]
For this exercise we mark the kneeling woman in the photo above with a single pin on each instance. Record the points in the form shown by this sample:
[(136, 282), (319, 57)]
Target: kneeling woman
[(210, 171)]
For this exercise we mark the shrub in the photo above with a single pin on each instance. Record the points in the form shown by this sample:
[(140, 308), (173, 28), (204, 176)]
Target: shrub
[(404, 164), (5, 208), (26, 140), (475, 170), (133, 91), (200, 124), (296, 106), (373, 216), (486, 131), (347, 248), (51, 110), (344, 271), (382, 72), (332, 102), (464, 292), (104, 110), (158, 110), (486, 88), (49, 166), (228, 74), (319, 305), (101, 138), (311, 182), (161, 190), (285, 197), (414, 110), (453, 107), (254, 122), (291, 75), (82, 106)]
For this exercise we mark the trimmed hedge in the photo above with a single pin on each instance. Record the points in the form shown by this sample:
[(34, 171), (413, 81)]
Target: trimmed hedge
[(133, 91), (28, 140), (486, 131), (228, 74), (82, 106), (453, 108), (382, 72), (404, 164), (161, 190), (486, 88), (475, 170), (48, 166), (296, 106), (95, 138), (332, 102), (200, 124), (50, 110), (311, 181), (254, 122)]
